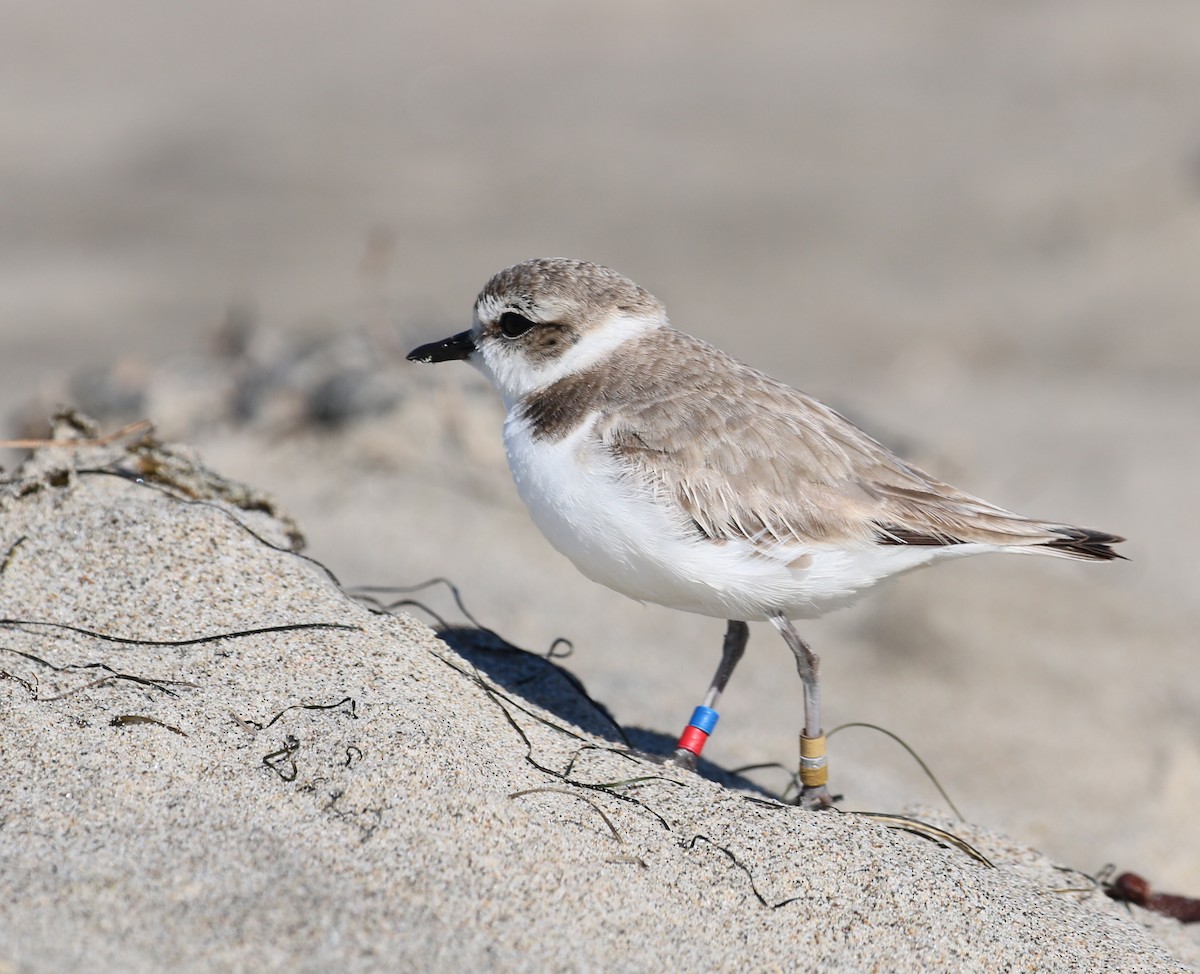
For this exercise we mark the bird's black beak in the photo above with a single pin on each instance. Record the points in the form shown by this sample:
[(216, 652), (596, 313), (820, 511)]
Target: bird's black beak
[(458, 346)]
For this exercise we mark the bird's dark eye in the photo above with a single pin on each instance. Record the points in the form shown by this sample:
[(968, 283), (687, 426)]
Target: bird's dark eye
[(514, 325)]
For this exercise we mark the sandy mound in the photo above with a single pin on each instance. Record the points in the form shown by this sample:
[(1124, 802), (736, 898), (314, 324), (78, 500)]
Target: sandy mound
[(262, 773)]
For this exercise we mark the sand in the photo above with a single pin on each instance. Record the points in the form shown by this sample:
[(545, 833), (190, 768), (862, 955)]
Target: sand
[(282, 779)]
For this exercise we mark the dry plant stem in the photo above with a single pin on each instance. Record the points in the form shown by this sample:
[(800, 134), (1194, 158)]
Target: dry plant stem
[(139, 428)]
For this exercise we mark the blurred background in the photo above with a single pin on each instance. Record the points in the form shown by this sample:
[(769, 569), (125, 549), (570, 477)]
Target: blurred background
[(975, 229)]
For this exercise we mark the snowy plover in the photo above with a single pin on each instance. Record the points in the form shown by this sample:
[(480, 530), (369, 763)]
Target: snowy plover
[(669, 471)]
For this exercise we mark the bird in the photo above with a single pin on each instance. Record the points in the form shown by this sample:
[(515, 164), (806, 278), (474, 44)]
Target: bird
[(673, 473)]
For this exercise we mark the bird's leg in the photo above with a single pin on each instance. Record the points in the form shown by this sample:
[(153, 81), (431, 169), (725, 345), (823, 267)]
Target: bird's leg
[(704, 718), (814, 766)]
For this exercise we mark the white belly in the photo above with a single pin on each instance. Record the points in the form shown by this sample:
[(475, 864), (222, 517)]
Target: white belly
[(618, 533)]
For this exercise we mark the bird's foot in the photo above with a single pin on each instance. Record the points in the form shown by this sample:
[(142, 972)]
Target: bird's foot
[(815, 797), (679, 758), (682, 758)]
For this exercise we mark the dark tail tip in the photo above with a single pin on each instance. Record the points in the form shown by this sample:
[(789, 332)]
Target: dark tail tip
[(1085, 543)]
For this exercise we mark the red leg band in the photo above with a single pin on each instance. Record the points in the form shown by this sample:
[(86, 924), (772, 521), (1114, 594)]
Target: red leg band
[(692, 739)]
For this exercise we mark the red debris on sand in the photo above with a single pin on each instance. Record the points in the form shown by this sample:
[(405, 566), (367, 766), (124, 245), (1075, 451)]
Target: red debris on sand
[(1132, 888)]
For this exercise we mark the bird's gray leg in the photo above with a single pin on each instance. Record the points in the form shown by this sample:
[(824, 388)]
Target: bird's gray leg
[(691, 741), (737, 634), (814, 767)]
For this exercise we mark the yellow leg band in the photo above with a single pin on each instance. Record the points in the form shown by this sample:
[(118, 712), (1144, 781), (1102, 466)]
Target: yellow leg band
[(814, 766)]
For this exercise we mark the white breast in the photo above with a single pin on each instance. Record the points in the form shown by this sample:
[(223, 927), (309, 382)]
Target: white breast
[(619, 533)]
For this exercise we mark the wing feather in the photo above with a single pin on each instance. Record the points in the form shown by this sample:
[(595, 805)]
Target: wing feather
[(747, 457)]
